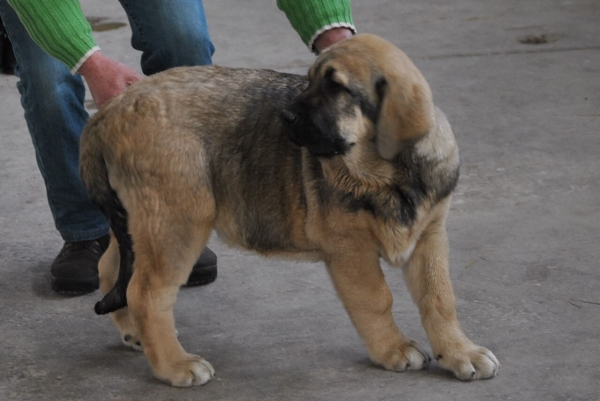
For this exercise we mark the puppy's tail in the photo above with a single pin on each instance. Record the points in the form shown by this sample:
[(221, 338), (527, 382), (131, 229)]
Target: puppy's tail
[(94, 174)]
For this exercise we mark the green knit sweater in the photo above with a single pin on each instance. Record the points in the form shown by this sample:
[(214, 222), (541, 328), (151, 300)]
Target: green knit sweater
[(310, 18), (61, 29)]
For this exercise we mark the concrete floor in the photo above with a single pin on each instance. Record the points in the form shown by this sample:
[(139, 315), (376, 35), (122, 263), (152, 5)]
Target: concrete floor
[(524, 228)]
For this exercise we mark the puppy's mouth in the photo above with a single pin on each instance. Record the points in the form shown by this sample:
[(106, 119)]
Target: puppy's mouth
[(319, 142)]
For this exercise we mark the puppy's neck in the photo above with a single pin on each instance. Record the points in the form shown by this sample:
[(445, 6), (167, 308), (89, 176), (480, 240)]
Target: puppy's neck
[(359, 171)]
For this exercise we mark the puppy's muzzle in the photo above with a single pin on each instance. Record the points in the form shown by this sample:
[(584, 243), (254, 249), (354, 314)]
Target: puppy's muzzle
[(321, 139)]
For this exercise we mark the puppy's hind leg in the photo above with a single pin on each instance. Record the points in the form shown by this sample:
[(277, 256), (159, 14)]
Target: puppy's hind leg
[(165, 249), (108, 269)]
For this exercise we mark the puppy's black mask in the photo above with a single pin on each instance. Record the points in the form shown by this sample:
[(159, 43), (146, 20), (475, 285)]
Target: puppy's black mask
[(318, 135), (313, 117)]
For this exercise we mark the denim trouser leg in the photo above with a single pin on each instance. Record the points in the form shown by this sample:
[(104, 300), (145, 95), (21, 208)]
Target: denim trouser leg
[(169, 33), (52, 99)]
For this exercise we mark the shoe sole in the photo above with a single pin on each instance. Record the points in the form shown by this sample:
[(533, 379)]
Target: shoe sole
[(208, 275), (74, 287), (81, 286)]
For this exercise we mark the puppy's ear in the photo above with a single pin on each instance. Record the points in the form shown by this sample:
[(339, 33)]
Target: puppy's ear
[(405, 112)]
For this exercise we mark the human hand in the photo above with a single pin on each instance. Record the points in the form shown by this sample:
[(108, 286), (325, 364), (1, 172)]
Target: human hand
[(331, 36), (106, 77)]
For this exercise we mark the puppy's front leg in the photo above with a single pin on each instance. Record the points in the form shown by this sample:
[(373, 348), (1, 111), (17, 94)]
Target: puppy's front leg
[(428, 280), (361, 286)]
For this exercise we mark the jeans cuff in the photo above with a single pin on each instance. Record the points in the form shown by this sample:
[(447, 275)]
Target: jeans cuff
[(85, 235)]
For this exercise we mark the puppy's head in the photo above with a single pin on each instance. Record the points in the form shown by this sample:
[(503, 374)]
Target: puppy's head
[(361, 90)]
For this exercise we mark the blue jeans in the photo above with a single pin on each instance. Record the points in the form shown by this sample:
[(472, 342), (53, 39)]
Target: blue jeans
[(168, 33)]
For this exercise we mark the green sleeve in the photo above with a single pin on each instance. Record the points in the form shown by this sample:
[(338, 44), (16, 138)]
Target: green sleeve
[(59, 27), (310, 18)]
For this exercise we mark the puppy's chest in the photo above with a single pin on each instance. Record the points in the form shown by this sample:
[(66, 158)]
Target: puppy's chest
[(397, 244), (399, 253), (396, 223)]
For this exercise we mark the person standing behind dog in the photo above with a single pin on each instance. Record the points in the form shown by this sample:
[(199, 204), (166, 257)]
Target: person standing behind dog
[(54, 48)]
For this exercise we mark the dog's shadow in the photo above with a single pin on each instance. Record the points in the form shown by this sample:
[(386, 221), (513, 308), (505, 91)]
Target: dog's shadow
[(433, 370)]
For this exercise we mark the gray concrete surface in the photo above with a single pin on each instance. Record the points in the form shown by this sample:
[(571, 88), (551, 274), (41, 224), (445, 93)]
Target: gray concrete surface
[(524, 228)]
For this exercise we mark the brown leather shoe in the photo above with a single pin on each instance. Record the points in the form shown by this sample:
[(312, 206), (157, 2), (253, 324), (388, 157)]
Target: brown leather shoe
[(205, 269), (75, 269)]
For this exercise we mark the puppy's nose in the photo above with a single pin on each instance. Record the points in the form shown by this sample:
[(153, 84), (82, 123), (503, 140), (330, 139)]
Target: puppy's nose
[(288, 116)]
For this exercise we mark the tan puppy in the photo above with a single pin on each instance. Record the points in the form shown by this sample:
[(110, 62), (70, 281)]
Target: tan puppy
[(356, 167)]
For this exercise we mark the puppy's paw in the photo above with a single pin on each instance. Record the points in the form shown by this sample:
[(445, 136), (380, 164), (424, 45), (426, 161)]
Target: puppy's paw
[(407, 355), (471, 363), (192, 371), (127, 329), (132, 342)]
